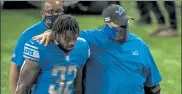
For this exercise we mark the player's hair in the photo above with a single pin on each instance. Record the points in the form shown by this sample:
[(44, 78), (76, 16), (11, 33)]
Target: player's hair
[(64, 23)]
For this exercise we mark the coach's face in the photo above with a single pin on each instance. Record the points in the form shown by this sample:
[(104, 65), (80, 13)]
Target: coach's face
[(121, 32), (50, 11), (68, 40)]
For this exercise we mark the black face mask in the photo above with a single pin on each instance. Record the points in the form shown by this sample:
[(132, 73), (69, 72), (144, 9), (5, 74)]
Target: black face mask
[(121, 34), (49, 20)]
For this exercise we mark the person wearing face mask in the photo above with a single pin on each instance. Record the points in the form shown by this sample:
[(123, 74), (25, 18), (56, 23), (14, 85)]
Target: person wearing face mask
[(49, 11), (120, 62)]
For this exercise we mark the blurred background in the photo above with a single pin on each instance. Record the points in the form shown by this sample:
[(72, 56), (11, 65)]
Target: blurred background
[(16, 16)]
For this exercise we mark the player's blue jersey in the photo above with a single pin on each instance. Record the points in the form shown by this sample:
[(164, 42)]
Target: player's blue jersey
[(36, 29), (115, 68), (57, 68)]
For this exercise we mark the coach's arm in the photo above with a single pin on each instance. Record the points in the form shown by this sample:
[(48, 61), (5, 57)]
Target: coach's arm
[(28, 74), (153, 77), (14, 74)]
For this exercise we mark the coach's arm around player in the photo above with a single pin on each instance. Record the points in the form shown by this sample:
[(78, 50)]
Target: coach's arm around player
[(45, 37)]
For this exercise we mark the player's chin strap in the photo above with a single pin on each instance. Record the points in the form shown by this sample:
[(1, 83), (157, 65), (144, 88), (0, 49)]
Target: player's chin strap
[(152, 90)]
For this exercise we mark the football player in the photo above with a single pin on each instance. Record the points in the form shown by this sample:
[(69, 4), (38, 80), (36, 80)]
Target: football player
[(53, 68)]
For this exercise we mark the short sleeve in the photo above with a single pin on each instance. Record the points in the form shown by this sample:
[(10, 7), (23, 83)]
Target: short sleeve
[(32, 51), (153, 74)]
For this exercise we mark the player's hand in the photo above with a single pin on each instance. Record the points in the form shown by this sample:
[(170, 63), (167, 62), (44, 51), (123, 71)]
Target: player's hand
[(46, 36)]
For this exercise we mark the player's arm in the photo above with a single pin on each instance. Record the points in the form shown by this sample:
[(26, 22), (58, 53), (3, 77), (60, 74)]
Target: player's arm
[(78, 83), (152, 84), (30, 68), (28, 74), (80, 78)]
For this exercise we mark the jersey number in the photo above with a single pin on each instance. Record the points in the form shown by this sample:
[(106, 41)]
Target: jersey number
[(63, 86)]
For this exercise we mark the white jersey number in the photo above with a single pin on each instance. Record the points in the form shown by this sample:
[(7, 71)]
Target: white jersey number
[(63, 86)]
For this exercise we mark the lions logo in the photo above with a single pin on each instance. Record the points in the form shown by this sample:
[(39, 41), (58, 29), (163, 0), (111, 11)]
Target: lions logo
[(120, 11)]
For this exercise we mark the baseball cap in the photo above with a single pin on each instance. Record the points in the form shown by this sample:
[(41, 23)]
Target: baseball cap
[(116, 14)]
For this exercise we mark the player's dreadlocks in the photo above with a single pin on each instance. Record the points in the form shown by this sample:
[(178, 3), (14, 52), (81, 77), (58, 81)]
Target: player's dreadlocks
[(64, 23)]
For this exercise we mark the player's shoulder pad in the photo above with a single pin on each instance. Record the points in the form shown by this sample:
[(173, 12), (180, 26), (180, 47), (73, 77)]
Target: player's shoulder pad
[(81, 39), (81, 42), (36, 44), (33, 42)]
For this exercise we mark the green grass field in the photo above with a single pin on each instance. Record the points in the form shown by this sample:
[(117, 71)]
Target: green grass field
[(166, 51)]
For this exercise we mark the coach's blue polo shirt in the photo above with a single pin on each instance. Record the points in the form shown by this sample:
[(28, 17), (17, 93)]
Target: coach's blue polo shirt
[(115, 68)]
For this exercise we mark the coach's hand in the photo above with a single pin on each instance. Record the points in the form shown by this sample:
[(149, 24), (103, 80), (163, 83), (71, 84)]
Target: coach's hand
[(46, 36)]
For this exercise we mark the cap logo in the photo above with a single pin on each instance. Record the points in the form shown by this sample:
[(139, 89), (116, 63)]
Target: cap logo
[(120, 11), (107, 19)]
